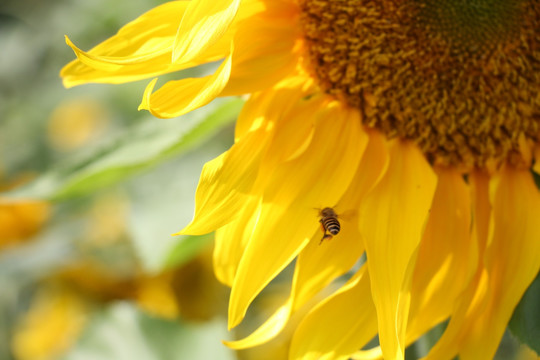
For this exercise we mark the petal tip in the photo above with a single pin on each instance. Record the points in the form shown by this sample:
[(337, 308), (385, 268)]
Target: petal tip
[(145, 102)]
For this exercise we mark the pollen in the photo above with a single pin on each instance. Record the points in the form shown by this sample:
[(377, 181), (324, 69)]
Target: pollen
[(460, 78)]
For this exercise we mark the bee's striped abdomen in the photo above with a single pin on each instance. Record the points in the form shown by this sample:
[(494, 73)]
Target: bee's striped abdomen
[(329, 223)]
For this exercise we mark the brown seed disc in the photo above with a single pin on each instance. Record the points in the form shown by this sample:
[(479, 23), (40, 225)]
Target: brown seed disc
[(461, 78)]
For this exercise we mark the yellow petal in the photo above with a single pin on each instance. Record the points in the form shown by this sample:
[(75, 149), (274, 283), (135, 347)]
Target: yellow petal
[(273, 106), (264, 53), (338, 326), (272, 103), (143, 48), (472, 299), (227, 180), (253, 113), (288, 219), (320, 263), (305, 285), (113, 63), (372, 168), (292, 138), (392, 220), (231, 240), (446, 260), (203, 24), (179, 97), (226, 183), (512, 259), (150, 35), (481, 208), (316, 266), (268, 330), (140, 49), (473, 296), (371, 354)]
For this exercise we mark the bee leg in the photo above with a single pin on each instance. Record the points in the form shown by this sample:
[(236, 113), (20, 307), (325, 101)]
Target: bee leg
[(323, 231), (325, 236)]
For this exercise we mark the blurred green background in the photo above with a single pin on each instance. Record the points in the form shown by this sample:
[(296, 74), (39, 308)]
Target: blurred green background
[(92, 191)]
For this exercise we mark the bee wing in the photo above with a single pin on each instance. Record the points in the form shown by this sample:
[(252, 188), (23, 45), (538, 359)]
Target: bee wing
[(348, 215)]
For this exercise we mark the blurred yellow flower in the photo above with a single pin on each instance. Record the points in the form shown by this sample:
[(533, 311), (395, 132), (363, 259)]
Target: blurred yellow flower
[(51, 326), (189, 291), (417, 122), (20, 218), (200, 297), (65, 301), (155, 295), (75, 122), (108, 218)]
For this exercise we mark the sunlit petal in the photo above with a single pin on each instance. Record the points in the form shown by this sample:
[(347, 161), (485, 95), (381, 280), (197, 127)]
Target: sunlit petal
[(231, 240), (225, 184), (446, 259), (261, 44), (320, 263), (338, 326), (273, 106), (288, 219), (203, 23)]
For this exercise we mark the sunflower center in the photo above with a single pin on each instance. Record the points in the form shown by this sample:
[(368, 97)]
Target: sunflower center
[(461, 78)]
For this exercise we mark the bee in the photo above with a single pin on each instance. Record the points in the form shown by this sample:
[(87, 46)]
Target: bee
[(329, 223)]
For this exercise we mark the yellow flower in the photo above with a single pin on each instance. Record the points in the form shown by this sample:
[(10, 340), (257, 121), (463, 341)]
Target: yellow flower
[(76, 122), (416, 121), (52, 324), (20, 219)]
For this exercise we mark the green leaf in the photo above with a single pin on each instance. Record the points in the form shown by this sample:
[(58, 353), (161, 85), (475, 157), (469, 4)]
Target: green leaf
[(123, 332), (525, 322), (147, 144)]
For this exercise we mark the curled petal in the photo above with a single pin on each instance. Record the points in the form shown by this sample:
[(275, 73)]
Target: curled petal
[(179, 97), (140, 49)]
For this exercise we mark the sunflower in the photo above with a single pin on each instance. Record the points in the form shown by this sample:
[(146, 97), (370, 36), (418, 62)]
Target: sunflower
[(416, 122)]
